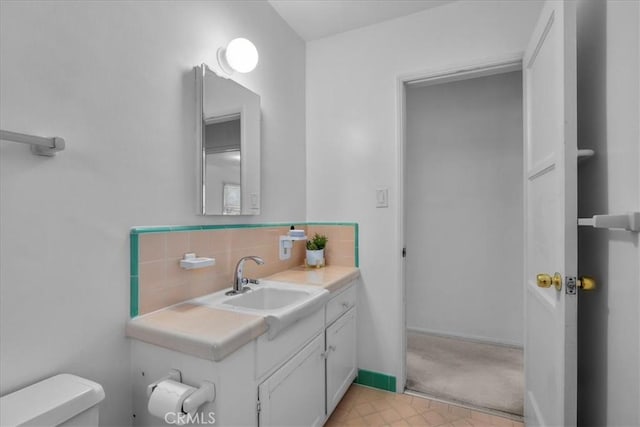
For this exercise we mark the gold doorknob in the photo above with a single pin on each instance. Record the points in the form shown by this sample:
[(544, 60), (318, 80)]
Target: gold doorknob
[(587, 283), (545, 280)]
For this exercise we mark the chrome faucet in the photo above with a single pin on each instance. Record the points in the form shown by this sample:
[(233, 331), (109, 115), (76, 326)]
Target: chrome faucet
[(238, 280)]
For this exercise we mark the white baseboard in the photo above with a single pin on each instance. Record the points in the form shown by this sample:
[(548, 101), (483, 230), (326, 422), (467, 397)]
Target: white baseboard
[(473, 338)]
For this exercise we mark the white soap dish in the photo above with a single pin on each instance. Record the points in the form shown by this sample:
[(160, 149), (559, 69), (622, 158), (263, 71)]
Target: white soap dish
[(190, 262)]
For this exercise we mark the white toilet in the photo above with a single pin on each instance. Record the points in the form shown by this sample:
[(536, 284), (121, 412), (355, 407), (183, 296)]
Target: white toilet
[(62, 400)]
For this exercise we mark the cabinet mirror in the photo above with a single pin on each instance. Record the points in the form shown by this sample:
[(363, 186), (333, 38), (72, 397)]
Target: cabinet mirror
[(228, 137)]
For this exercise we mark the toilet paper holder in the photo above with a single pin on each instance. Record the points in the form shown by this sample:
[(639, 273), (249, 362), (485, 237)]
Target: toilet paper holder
[(173, 374), (205, 393)]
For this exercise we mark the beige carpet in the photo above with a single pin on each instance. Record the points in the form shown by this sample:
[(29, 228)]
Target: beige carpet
[(482, 375)]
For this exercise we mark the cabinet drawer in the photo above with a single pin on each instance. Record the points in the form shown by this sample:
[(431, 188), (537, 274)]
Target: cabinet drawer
[(340, 303)]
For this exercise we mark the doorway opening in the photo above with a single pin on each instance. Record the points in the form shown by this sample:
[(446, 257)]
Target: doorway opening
[(463, 233)]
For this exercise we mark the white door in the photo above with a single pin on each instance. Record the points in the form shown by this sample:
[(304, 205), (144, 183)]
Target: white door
[(549, 72)]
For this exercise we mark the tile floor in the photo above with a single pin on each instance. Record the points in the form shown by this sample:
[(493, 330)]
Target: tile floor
[(364, 406)]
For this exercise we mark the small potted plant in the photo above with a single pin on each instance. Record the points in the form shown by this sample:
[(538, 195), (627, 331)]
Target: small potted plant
[(315, 250)]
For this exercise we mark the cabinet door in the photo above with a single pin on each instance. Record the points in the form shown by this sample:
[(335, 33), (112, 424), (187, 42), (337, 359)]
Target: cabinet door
[(341, 358), (294, 394)]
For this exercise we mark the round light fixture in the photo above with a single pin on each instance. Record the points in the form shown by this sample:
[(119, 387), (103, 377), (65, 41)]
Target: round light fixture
[(240, 55)]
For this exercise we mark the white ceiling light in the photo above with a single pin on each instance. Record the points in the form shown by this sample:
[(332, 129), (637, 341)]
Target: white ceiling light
[(240, 55)]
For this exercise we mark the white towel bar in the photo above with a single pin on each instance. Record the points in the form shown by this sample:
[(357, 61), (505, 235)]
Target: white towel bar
[(39, 145)]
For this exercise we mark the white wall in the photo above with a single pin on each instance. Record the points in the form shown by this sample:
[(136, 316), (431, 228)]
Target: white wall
[(352, 140), (115, 80), (608, 122), (464, 208)]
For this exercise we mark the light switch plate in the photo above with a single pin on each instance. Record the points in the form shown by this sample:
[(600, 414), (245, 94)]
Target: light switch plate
[(382, 198), (255, 200)]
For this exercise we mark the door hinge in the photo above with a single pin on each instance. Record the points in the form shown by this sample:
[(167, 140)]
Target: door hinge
[(404, 252), (570, 287), (258, 407)]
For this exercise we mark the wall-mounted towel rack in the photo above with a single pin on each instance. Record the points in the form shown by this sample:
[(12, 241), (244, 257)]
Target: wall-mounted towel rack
[(629, 221), (39, 145)]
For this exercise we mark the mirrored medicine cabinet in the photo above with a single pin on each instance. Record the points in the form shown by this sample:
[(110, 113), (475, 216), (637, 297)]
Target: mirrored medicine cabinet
[(228, 141)]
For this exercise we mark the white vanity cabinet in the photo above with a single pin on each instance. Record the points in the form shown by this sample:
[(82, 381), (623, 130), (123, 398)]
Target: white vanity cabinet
[(340, 344), (305, 390), (341, 357), (295, 378), (294, 394)]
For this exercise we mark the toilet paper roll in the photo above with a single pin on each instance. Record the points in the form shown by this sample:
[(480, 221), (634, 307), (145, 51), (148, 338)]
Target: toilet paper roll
[(168, 397)]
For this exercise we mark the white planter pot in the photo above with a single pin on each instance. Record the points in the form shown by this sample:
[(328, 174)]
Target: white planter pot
[(315, 258)]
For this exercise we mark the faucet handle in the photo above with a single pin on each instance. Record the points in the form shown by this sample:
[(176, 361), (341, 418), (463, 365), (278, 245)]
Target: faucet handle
[(247, 281)]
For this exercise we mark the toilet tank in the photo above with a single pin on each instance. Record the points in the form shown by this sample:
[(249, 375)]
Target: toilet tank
[(62, 400)]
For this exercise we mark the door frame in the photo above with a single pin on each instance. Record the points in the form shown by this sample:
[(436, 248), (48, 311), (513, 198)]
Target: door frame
[(454, 72)]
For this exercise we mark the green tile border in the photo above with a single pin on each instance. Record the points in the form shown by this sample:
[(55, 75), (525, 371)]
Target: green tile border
[(330, 223), (134, 246), (170, 228), (133, 281), (376, 380), (133, 298)]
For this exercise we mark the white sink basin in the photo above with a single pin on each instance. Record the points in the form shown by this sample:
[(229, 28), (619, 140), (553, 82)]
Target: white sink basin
[(267, 298), (281, 304)]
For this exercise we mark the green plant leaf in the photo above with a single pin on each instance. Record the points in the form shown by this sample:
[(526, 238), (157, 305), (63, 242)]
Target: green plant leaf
[(317, 242)]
